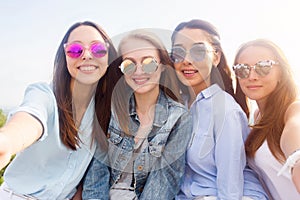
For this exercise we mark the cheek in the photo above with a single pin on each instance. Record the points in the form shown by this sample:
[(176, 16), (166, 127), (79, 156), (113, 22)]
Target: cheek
[(204, 68), (177, 66)]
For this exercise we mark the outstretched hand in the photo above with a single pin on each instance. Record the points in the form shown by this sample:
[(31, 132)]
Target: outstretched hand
[(5, 154)]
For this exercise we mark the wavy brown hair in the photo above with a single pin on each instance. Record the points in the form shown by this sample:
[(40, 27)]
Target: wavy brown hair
[(63, 93), (168, 82), (220, 74), (271, 124)]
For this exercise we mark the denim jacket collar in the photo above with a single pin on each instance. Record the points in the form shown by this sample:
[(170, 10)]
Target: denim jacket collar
[(161, 109)]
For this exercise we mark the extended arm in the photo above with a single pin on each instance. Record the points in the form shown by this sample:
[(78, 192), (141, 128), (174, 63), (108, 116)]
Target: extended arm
[(20, 132), (290, 140)]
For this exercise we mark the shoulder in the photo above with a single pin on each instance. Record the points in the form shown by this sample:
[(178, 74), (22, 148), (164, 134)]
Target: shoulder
[(40, 86), (293, 110), (225, 101), (174, 105)]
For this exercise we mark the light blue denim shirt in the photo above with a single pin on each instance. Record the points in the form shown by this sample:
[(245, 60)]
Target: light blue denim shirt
[(159, 168), (216, 158), (48, 169)]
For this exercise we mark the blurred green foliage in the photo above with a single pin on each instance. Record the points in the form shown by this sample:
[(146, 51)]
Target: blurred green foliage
[(2, 122)]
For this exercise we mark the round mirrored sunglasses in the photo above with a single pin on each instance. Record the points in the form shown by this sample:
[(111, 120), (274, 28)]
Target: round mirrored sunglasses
[(149, 65)]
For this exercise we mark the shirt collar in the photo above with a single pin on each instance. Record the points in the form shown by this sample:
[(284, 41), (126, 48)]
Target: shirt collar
[(208, 92)]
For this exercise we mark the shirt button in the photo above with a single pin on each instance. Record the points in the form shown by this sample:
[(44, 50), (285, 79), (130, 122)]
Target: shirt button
[(140, 167)]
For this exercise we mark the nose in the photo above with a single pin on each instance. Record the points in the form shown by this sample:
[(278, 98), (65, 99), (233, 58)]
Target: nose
[(187, 58), (139, 69), (252, 73), (87, 55)]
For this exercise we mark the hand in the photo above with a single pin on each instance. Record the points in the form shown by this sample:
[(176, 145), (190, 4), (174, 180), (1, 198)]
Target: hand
[(5, 154)]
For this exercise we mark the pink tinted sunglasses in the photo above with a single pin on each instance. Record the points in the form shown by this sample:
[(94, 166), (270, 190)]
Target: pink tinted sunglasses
[(76, 50)]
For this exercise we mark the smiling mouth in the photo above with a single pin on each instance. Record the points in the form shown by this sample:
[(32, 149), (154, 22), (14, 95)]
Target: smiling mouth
[(87, 68), (140, 81), (189, 73)]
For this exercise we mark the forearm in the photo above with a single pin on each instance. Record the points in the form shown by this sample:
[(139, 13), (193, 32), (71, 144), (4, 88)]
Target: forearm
[(296, 175), (21, 131)]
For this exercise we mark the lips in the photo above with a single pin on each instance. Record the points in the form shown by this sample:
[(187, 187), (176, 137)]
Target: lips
[(140, 81), (253, 87), (189, 72)]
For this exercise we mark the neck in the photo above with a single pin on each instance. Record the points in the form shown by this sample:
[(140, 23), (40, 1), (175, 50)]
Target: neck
[(145, 106), (81, 97), (261, 106), (201, 86)]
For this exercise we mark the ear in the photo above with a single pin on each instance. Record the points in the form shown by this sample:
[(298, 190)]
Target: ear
[(217, 57)]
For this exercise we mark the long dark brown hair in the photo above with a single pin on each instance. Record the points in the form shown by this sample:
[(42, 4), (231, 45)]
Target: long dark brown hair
[(63, 93), (168, 80), (220, 74), (271, 124)]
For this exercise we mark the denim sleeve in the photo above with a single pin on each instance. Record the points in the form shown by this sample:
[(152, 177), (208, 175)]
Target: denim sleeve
[(164, 181), (96, 181)]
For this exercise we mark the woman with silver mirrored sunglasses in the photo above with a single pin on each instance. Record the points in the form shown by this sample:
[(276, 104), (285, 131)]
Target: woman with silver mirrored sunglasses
[(216, 161), (273, 145), (149, 129)]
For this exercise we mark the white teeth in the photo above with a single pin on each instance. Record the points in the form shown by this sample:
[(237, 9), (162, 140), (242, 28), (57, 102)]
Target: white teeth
[(188, 71), (87, 68), (140, 80)]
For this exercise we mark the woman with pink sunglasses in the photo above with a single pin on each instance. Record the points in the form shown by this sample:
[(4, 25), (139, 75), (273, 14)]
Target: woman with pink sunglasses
[(273, 145), (53, 130)]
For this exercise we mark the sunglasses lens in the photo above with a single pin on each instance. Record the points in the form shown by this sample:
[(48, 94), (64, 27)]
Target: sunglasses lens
[(128, 67), (74, 50), (149, 65), (241, 70), (178, 54), (263, 68), (198, 52), (98, 50)]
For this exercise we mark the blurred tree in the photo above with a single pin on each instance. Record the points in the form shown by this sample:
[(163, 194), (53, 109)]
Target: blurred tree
[(2, 122), (2, 118)]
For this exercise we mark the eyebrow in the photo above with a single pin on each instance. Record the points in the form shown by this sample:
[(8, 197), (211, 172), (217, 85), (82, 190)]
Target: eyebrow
[(142, 58), (181, 44)]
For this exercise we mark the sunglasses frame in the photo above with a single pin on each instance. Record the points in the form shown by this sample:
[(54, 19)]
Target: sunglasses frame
[(193, 56), (267, 64), (84, 48), (135, 65)]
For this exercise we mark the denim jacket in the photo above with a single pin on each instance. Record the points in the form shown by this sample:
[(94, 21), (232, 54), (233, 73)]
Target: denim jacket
[(159, 168)]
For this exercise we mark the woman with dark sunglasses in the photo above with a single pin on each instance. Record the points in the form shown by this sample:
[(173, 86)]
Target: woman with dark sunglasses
[(273, 145), (216, 161), (149, 130), (54, 130)]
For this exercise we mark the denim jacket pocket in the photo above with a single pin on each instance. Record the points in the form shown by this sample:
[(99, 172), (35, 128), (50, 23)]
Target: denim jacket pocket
[(115, 138), (156, 149), (157, 144)]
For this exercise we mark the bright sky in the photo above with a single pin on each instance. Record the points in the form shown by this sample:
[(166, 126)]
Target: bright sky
[(32, 30)]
